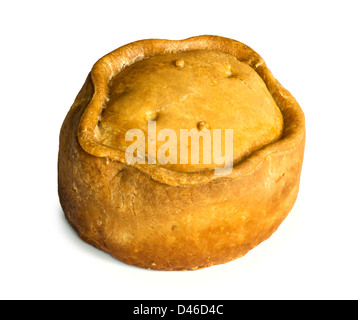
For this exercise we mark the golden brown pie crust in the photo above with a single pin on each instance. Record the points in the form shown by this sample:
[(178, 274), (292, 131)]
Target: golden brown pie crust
[(155, 89), (160, 218)]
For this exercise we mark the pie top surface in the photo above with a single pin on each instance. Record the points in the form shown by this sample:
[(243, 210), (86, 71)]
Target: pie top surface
[(194, 90)]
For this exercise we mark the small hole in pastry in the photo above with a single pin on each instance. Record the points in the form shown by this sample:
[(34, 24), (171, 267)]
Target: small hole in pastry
[(202, 125), (151, 115), (180, 63)]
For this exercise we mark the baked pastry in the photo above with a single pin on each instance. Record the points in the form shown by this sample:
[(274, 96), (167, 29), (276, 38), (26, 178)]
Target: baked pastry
[(175, 213)]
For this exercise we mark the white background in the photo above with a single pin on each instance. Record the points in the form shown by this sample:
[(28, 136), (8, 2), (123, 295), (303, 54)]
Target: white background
[(47, 50)]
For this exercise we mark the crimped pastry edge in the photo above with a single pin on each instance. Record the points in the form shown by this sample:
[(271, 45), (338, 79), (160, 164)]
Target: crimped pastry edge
[(112, 63)]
